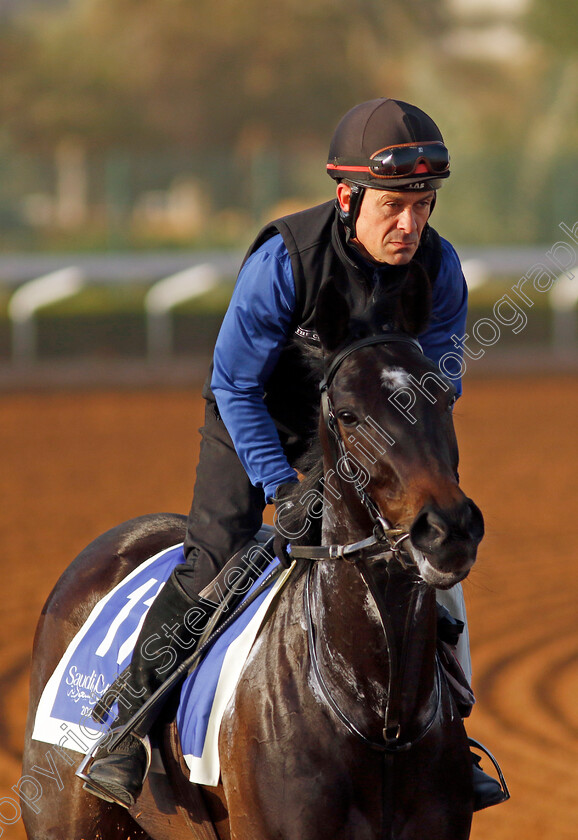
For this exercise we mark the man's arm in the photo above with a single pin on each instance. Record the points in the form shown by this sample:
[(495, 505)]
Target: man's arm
[(254, 331), (449, 312)]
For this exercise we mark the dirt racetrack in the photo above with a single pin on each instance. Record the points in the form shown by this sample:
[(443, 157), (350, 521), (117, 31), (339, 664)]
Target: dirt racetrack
[(77, 463)]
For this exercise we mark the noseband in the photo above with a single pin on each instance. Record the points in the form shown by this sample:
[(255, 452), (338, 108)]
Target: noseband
[(383, 533)]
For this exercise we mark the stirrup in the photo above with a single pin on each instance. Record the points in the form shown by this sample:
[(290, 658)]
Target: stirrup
[(477, 746), (93, 787)]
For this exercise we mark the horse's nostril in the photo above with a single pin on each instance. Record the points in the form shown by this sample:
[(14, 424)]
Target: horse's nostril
[(476, 521), (434, 530), (429, 530)]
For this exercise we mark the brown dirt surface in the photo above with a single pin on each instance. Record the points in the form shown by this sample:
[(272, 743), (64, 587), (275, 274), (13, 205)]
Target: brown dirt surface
[(75, 464)]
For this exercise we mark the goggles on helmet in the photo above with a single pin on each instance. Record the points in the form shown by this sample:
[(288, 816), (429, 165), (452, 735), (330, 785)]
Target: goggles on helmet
[(397, 162)]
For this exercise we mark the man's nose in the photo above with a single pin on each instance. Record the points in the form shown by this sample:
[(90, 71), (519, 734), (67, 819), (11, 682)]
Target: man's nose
[(407, 221)]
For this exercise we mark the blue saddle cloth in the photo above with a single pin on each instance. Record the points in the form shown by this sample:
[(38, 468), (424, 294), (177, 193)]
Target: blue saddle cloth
[(103, 647)]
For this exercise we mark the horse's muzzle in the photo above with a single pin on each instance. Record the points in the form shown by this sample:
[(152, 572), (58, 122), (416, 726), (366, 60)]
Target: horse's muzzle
[(445, 542)]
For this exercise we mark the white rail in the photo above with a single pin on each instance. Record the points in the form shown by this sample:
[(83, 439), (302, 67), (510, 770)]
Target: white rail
[(32, 296), (164, 296), (563, 300)]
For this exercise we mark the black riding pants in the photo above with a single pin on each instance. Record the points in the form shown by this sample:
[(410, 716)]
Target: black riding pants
[(227, 510)]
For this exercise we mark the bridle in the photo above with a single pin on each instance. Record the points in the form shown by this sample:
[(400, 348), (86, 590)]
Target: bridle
[(388, 541), (383, 536)]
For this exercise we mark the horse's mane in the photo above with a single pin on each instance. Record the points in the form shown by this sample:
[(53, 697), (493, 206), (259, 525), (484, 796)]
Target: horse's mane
[(405, 306), (310, 464)]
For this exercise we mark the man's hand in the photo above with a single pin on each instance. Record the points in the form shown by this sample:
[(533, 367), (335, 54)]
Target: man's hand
[(283, 495)]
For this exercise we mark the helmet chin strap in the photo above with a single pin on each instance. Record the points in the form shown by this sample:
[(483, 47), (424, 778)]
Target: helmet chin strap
[(349, 216)]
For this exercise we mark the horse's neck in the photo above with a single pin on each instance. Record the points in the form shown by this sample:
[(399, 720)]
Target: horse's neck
[(365, 638), (338, 524)]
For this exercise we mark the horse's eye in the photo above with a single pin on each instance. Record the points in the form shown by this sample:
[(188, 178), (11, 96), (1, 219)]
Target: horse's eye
[(348, 418)]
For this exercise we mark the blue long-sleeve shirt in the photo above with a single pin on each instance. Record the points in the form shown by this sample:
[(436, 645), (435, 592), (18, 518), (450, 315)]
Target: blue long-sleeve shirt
[(255, 330)]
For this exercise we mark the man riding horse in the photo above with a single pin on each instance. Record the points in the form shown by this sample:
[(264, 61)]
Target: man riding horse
[(388, 159)]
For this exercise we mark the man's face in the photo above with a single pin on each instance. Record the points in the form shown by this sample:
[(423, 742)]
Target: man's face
[(390, 224)]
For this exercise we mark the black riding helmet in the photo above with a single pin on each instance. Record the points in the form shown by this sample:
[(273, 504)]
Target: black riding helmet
[(386, 144)]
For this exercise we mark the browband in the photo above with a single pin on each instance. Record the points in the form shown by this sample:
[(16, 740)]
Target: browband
[(382, 338)]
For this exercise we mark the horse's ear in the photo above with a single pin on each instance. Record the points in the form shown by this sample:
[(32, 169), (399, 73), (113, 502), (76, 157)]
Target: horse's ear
[(332, 316), (415, 301)]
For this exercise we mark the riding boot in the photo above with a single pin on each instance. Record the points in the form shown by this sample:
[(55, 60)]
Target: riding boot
[(164, 642), (487, 790)]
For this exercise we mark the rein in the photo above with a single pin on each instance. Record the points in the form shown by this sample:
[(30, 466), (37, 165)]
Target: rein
[(387, 540), (392, 742)]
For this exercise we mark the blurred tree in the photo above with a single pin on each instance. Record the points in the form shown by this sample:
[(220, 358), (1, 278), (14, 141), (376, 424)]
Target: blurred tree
[(223, 73), (250, 80), (547, 157), (212, 73), (14, 43), (554, 23), (57, 82)]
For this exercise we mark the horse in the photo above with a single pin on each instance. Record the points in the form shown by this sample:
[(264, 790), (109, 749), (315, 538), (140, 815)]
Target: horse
[(342, 725)]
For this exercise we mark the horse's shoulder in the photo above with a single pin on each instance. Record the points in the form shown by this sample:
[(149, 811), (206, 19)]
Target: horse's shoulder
[(279, 651), (170, 792)]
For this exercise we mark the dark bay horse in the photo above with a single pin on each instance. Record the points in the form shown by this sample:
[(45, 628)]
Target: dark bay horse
[(342, 726)]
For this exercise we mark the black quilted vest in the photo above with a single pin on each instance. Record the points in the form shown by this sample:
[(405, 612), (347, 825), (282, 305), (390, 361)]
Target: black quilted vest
[(314, 239)]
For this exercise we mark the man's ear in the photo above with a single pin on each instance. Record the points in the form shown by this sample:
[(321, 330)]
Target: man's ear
[(332, 316), (344, 196)]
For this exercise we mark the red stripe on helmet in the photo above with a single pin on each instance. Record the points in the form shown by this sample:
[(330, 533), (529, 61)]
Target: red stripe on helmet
[(349, 168)]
